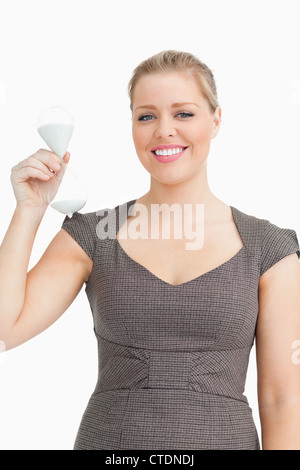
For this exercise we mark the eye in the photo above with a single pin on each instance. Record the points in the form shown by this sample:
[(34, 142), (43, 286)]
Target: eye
[(145, 116), (186, 114)]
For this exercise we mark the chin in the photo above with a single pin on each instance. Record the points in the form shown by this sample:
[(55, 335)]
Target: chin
[(172, 178)]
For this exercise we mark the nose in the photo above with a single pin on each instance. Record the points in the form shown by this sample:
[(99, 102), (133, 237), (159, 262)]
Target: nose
[(164, 128)]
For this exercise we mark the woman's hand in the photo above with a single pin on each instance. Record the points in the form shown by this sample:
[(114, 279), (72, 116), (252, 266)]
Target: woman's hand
[(31, 178)]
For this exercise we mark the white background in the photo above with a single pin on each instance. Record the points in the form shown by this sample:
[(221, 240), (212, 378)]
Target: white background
[(80, 54)]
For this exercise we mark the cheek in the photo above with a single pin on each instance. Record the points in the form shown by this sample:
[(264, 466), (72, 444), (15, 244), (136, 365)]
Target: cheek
[(199, 134), (139, 135)]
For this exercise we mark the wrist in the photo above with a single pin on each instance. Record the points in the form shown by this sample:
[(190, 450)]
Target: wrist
[(35, 213)]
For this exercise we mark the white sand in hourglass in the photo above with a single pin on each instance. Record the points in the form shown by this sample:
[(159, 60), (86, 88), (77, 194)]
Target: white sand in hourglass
[(68, 206), (57, 136)]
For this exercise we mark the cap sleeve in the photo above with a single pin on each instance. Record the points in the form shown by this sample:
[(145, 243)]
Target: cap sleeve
[(82, 227), (276, 244)]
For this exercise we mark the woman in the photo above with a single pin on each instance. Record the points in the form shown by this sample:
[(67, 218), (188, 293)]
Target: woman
[(174, 326)]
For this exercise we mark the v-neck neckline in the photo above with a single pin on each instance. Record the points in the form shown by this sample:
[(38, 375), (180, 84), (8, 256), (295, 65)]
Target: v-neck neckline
[(182, 284)]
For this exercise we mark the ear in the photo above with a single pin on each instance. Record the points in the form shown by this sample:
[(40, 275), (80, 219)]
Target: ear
[(216, 122)]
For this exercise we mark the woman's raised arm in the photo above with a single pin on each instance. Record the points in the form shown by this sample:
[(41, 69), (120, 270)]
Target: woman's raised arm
[(32, 301)]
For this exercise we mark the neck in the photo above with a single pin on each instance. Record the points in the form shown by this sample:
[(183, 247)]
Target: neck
[(193, 191)]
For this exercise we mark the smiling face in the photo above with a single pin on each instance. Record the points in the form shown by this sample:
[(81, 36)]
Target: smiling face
[(159, 120)]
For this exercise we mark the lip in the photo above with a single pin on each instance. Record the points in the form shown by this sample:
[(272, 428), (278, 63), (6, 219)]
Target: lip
[(168, 158)]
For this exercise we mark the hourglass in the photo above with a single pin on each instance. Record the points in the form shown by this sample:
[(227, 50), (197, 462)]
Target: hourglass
[(66, 193)]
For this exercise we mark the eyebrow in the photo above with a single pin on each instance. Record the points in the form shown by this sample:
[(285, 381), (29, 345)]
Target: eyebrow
[(174, 105)]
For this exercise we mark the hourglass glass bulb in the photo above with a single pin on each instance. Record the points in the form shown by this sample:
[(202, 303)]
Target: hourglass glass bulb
[(55, 125), (66, 193), (70, 195)]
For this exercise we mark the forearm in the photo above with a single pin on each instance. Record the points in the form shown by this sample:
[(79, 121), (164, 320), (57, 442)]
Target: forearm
[(15, 252), (281, 427)]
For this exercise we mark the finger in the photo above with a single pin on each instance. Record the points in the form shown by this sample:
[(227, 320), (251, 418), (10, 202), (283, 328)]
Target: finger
[(47, 152), (30, 172), (43, 162), (47, 157), (33, 163)]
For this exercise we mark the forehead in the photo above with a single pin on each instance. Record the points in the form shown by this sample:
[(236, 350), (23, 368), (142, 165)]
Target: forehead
[(158, 88)]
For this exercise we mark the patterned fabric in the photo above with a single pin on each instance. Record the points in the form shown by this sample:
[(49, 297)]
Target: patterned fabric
[(173, 359)]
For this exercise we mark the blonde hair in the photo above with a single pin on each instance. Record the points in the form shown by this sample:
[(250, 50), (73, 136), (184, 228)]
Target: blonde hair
[(177, 61)]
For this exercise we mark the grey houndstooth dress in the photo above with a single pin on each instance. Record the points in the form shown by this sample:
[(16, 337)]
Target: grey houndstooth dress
[(173, 359)]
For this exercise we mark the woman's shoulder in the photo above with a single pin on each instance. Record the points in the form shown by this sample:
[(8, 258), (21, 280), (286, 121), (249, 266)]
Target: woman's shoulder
[(265, 224), (103, 222), (271, 240)]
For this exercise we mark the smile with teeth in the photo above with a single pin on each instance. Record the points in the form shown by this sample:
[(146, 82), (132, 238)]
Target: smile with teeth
[(169, 151)]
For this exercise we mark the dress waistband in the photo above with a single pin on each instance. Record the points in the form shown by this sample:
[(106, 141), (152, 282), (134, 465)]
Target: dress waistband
[(215, 372)]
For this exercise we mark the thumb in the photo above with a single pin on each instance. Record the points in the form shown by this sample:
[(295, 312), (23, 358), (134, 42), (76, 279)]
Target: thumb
[(67, 157)]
